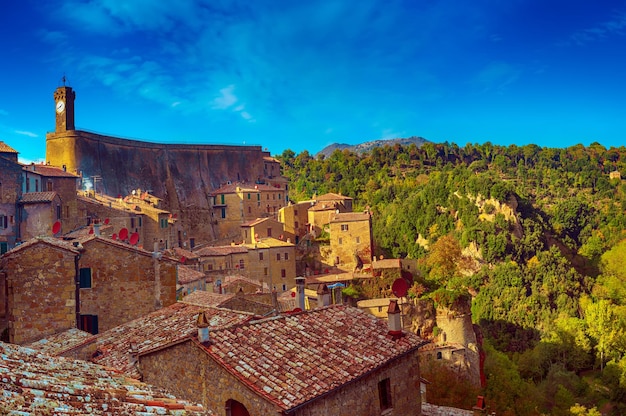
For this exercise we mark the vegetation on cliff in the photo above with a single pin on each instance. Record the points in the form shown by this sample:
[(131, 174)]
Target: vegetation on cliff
[(536, 235)]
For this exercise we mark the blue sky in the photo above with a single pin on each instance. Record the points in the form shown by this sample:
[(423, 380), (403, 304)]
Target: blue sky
[(303, 75)]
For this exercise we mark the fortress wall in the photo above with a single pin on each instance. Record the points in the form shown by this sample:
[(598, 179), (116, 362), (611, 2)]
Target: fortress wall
[(182, 175)]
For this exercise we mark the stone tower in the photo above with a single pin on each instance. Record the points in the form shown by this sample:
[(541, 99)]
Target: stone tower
[(64, 108)]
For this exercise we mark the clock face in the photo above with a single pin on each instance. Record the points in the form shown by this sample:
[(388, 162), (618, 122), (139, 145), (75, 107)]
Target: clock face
[(60, 106)]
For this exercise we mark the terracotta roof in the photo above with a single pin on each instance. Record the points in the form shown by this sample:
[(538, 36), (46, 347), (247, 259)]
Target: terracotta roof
[(165, 326), (332, 197), (37, 197), (350, 216), (5, 148), (47, 170), (293, 359), (178, 252), (324, 207), (55, 242), (234, 280), (58, 343), (387, 264), (187, 275), (257, 221), (206, 299), (268, 242), (220, 250), (34, 383)]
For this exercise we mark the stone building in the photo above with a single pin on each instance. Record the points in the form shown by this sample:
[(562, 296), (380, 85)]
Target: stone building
[(43, 178), (351, 238), (220, 261), (295, 219), (272, 262), (335, 360), (10, 193), (39, 212), (92, 284), (236, 203), (261, 228)]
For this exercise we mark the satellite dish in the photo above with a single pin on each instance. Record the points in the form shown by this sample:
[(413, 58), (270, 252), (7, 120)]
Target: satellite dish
[(106, 221), (134, 238), (91, 230), (56, 227), (183, 259), (400, 287), (114, 236), (123, 234)]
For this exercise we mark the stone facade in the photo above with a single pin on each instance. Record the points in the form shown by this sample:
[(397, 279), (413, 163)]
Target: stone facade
[(295, 218), (350, 235), (10, 192), (259, 229), (41, 289), (272, 262), (39, 211), (126, 282)]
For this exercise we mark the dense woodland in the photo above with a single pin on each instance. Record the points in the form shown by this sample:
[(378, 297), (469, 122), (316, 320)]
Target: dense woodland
[(547, 285)]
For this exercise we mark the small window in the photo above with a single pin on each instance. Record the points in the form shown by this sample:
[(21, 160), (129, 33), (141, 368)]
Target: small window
[(283, 273), (36, 185), (260, 255), (249, 210), (358, 240), (49, 186), (223, 212), (241, 264), (344, 227), (284, 287), (132, 222), (209, 266), (297, 226), (163, 223), (265, 271), (269, 232), (258, 197), (340, 242), (3, 221), (249, 196), (295, 212), (384, 394), (286, 256), (222, 198), (58, 212), (277, 256), (89, 323), (85, 278), (192, 242)]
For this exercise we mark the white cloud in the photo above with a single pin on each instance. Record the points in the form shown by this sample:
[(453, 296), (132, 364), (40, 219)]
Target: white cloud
[(26, 133), (226, 98)]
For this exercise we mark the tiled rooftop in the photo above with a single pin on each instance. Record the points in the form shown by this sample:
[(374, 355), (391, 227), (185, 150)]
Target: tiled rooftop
[(206, 299), (37, 197), (5, 148), (58, 343), (292, 359), (160, 328), (49, 171), (55, 242), (34, 383), (220, 250), (350, 216), (332, 197), (187, 275)]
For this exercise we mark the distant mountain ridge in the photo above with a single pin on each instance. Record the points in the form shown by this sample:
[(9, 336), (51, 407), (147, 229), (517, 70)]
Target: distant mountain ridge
[(367, 146)]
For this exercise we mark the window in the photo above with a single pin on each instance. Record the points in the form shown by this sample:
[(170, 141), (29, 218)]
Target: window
[(248, 196), (295, 212), (264, 271), (340, 241), (283, 273), (67, 211), (85, 278), (284, 287), (209, 266), (3, 221), (36, 185), (58, 212), (89, 323), (192, 242), (260, 255), (132, 223), (258, 197), (139, 220), (358, 240), (297, 225), (286, 256), (223, 212), (384, 394), (344, 227), (249, 210), (277, 256), (241, 264), (4, 247), (269, 232), (163, 222), (49, 186), (222, 198)]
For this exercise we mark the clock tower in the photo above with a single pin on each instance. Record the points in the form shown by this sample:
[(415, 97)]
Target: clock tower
[(64, 108)]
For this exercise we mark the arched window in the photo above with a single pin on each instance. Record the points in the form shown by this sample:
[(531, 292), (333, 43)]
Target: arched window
[(234, 408)]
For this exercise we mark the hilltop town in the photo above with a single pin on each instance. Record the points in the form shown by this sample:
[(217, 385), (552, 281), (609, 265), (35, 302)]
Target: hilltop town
[(182, 279)]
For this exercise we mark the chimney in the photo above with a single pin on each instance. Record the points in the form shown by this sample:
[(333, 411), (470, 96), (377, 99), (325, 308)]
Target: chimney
[(394, 319), (96, 228), (300, 292), (133, 353), (203, 328), (323, 295)]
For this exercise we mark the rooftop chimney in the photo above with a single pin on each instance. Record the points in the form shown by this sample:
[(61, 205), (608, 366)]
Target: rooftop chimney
[(96, 228), (203, 327), (133, 353), (394, 318), (323, 295), (300, 292)]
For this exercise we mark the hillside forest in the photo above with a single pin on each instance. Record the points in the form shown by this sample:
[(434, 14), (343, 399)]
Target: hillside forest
[(534, 237)]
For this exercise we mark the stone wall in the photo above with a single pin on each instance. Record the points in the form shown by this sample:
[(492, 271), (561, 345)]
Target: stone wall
[(192, 374), (127, 283), (10, 191), (41, 292), (38, 218), (182, 175)]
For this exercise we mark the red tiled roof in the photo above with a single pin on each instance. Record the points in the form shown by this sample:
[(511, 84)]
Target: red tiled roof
[(155, 330), (293, 359), (49, 171), (220, 250), (35, 382), (58, 343), (187, 275), (350, 216), (5, 148), (228, 281), (37, 197), (206, 299)]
